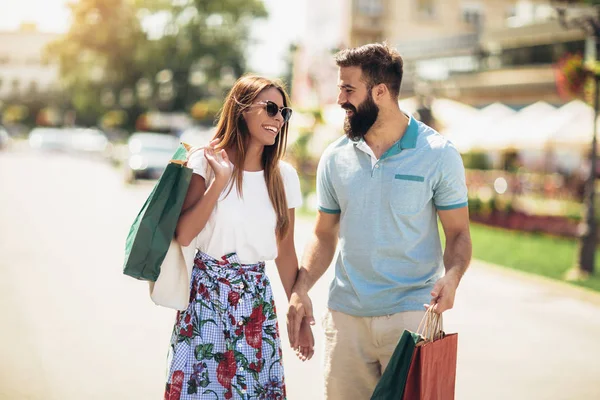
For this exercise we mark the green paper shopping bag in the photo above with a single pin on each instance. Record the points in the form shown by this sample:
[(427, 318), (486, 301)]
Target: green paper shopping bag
[(392, 382), (152, 230)]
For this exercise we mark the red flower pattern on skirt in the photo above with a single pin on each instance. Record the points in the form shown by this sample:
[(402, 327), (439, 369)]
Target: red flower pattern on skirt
[(226, 344)]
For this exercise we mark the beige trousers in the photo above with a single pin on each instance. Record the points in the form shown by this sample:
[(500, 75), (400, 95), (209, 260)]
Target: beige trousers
[(357, 350)]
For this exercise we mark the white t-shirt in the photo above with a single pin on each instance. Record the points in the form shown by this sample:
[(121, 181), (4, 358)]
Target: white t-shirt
[(245, 225)]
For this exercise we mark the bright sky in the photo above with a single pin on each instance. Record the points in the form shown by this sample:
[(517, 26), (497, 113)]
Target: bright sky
[(266, 56), (49, 15)]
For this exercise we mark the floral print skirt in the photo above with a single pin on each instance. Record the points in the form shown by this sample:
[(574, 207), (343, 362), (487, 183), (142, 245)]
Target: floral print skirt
[(226, 344)]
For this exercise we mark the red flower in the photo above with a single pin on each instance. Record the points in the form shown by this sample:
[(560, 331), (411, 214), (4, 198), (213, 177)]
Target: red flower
[(200, 264), (188, 331), (203, 291), (224, 281), (256, 367), (173, 391), (193, 291), (233, 298), (226, 370), (254, 328), (188, 318)]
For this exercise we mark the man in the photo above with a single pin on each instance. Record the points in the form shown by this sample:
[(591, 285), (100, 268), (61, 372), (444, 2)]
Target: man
[(380, 189)]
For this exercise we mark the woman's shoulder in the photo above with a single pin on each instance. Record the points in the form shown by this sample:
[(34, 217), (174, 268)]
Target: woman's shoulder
[(286, 168), (288, 172), (197, 161)]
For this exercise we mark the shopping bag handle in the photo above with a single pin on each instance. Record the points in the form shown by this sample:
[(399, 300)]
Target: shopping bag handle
[(431, 326), (191, 150)]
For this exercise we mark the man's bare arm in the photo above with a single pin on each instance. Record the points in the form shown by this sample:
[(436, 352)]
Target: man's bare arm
[(457, 256), (317, 258)]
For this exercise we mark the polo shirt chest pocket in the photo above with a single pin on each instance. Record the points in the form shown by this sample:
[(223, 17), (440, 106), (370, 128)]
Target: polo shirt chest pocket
[(407, 193)]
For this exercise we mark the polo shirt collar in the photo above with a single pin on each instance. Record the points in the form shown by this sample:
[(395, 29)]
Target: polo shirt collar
[(408, 140)]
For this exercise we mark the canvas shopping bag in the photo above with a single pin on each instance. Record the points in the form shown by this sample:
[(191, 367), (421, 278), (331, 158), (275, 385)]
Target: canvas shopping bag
[(172, 288)]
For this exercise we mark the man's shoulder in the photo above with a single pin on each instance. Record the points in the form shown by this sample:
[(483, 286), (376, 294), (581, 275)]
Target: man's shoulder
[(432, 141), (338, 146)]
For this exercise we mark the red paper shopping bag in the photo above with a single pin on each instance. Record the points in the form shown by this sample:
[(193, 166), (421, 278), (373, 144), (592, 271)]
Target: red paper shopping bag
[(432, 372)]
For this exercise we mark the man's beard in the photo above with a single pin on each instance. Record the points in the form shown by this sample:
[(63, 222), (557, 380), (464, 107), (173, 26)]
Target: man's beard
[(358, 124)]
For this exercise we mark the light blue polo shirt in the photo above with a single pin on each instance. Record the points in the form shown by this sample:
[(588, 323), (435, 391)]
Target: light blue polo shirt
[(390, 251)]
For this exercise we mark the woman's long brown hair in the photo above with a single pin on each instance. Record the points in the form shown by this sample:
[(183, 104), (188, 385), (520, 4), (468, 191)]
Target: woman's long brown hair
[(233, 132)]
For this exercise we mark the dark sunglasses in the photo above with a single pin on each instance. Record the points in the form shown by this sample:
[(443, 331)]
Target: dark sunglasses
[(272, 110)]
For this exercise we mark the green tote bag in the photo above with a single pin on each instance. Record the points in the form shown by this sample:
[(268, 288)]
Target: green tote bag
[(393, 381), (151, 233)]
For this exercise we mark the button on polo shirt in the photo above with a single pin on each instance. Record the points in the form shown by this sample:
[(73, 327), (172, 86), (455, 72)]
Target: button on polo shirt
[(390, 251)]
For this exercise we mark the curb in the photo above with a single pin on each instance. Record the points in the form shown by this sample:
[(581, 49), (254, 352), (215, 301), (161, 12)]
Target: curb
[(563, 288)]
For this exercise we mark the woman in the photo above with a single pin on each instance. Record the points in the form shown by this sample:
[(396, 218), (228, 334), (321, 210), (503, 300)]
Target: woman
[(238, 213)]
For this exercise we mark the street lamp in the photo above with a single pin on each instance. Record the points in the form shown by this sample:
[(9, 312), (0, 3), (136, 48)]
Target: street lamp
[(590, 24)]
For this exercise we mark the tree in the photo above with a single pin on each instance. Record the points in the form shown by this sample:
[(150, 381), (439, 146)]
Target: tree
[(106, 52), (101, 54), (204, 37)]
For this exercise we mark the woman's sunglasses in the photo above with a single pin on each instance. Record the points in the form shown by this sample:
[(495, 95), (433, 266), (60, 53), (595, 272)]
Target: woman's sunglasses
[(272, 110)]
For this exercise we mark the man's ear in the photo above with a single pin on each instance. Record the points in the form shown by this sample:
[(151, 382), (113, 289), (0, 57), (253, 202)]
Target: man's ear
[(379, 92)]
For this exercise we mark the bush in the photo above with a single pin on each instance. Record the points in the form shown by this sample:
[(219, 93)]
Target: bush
[(476, 160)]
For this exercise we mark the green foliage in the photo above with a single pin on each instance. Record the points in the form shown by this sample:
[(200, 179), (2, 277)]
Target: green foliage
[(107, 50), (476, 160), (584, 2), (539, 254)]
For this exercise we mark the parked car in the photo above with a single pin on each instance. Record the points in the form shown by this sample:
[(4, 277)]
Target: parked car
[(90, 141), (50, 139), (148, 155)]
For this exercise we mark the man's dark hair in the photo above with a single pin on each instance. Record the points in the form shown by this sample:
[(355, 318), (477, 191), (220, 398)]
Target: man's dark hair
[(379, 64)]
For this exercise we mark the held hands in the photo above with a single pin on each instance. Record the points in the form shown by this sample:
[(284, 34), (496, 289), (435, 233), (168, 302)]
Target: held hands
[(219, 162), (306, 341), (299, 322)]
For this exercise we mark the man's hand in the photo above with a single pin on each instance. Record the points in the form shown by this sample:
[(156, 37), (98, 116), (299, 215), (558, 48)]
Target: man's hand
[(306, 341), (442, 295), (300, 308)]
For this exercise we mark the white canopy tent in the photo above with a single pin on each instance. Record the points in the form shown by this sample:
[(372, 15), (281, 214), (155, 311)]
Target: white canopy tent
[(471, 131), (520, 131), (446, 112), (571, 127)]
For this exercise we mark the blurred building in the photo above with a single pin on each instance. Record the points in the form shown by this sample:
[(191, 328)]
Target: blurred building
[(22, 68), (314, 71), (474, 51)]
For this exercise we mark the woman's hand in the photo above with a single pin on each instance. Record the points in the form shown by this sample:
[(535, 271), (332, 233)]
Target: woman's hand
[(219, 162), (306, 341)]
